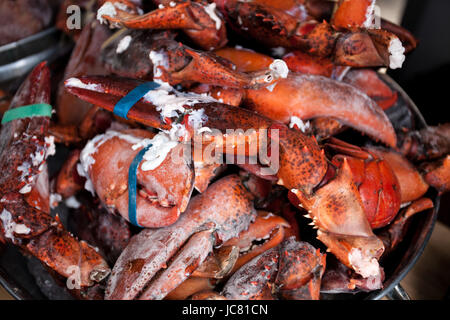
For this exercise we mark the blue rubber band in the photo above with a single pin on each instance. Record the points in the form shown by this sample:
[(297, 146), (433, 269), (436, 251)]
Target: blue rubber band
[(121, 109), (132, 185), (126, 103)]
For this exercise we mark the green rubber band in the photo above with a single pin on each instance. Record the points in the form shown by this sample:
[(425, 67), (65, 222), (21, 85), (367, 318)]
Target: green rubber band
[(32, 110)]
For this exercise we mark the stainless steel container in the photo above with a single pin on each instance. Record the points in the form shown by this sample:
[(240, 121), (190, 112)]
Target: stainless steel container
[(18, 58)]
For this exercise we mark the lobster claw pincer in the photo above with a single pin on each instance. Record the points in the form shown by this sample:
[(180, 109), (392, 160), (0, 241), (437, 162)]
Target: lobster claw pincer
[(311, 96), (220, 213), (105, 92)]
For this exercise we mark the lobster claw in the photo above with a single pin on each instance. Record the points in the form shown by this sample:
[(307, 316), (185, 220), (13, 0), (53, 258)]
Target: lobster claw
[(370, 48), (433, 145), (426, 144), (23, 152), (357, 50), (30, 145), (166, 187), (412, 184), (253, 281), (267, 227), (377, 183), (275, 26), (365, 45), (220, 213), (291, 270), (337, 212), (311, 96), (353, 14), (105, 92), (199, 21), (300, 271), (175, 63)]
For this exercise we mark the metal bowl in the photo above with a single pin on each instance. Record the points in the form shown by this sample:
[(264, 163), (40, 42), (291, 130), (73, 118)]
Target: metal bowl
[(421, 227), (18, 58), (20, 280)]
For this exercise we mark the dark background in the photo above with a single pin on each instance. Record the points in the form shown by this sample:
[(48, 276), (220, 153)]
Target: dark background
[(425, 73)]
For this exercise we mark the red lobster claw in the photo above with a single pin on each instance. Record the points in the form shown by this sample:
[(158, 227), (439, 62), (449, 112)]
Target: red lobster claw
[(165, 190), (220, 213), (338, 213), (291, 270), (377, 183), (23, 152), (105, 92), (311, 96), (197, 19)]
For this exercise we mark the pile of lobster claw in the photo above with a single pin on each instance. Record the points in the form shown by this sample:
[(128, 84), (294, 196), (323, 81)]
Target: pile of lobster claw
[(202, 187)]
